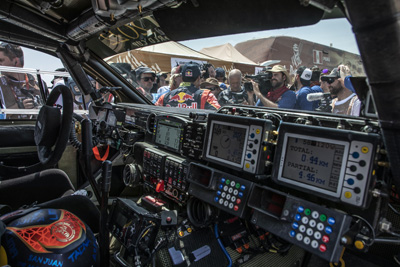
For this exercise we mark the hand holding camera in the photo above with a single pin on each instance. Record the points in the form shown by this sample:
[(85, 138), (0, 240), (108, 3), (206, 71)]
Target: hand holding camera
[(344, 71)]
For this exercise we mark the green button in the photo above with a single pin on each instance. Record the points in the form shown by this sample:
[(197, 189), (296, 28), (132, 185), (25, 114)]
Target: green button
[(228, 182), (322, 217), (237, 185), (307, 211)]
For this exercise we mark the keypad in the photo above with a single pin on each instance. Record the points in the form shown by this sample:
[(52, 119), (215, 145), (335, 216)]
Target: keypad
[(312, 228), (229, 194)]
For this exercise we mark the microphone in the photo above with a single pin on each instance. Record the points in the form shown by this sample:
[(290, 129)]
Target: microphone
[(317, 96)]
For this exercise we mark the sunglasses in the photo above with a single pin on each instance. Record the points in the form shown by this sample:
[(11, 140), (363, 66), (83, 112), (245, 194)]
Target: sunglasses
[(331, 80), (146, 79)]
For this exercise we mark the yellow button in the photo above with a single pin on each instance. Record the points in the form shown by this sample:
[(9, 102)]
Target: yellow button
[(265, 148), (247, 165), (364, 149), (359, 244), (189, 230), (347, 194), (181, 233), (257, 131)]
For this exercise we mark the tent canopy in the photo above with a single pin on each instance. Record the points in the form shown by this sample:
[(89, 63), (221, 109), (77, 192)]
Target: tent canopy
[(227, 52), (176, 49), (162, 57)]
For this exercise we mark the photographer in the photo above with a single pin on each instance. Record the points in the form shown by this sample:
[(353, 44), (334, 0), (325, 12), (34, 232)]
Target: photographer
[(279, 95), (235, 94), (207, 71), (18, 90)]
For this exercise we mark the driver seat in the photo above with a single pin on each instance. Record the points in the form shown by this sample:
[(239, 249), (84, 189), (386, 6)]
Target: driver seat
[(49, 188)]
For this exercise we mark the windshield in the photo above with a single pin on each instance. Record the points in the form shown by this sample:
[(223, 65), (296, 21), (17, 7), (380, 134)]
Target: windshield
[(312, 68)]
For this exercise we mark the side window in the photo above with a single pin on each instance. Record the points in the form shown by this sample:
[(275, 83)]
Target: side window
[(23, 84)]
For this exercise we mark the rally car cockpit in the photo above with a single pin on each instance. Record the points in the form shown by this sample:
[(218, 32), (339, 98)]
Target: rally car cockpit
[(240, 186)]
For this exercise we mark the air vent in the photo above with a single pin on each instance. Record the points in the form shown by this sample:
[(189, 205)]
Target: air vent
[(130, 175), (150, 123)]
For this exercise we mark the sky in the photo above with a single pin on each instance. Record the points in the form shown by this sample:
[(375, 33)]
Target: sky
[(333, 32)]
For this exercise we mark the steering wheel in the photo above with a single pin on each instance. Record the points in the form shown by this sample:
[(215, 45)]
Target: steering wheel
[(52, 128)]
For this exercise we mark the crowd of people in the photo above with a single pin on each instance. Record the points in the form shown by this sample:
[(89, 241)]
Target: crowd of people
[(205, 87), (311, 89)]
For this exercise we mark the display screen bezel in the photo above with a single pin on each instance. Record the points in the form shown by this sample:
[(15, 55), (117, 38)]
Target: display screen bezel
[(170, 123), (336, 193), (210, 140)]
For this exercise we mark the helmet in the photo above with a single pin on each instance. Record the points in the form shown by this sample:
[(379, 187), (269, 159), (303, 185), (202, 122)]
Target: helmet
[(49, 237)]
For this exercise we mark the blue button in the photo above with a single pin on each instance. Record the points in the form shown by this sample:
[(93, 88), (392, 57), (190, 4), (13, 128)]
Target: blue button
[(328, 230), (216, 199), (240, 194), (297, 217), (292, 233), (252, 135), (242, 187), (218, 193), (350, 181), (295, 225), (331, 221), (221, 186), (249, 155), (356, 155), (223, 180), (300, 209)]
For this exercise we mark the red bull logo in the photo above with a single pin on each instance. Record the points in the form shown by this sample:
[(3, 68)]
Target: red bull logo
[(181, 97), (188, 73), (184, 101)]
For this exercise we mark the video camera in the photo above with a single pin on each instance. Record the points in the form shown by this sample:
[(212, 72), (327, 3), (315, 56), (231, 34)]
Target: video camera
[(263, 79), (30, 94)]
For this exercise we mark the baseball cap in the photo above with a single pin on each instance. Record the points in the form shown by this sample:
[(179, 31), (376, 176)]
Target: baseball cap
[(305, 73), (223, 86), (141, 70), (334, 74), (219, 72), (190, 72)]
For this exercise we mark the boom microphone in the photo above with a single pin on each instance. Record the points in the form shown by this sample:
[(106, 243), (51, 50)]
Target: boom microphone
[(317, 96)]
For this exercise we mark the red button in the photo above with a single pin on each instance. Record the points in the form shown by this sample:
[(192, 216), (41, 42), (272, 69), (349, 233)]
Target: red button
[(238, 201), (322, 248), (160, 186), (325, 239), (235, 208)]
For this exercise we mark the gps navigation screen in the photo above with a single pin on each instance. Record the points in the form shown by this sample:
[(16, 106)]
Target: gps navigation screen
[(227, 143), (168, 134), (313, 162)]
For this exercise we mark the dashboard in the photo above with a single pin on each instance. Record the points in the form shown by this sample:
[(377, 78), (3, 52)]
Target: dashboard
[(305, 179)]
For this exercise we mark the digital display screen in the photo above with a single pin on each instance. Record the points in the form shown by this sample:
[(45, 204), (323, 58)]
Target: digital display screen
[(312, 161), (227, 142), (168, 134)]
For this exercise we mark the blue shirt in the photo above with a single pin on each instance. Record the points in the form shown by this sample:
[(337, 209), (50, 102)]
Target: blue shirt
[(288, 100), (301, 99)]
